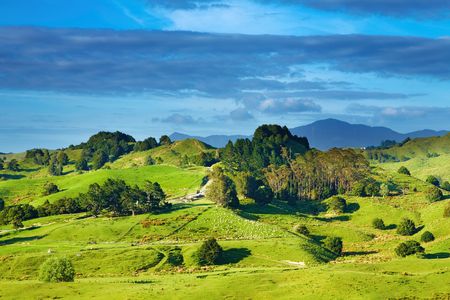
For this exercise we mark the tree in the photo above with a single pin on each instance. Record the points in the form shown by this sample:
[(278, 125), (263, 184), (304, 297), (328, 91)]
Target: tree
[(17, 223), (427, 237), (81, 164), (12, 165), (146, 144), (372, 189), (99, 159), (222, 189), (404, 170), (149, 161), (246, 184), (302, 229), (50, 188), (385, 189), (406, 227), (378, 223), (433, 180), (155, 196), (57, 270), (433, 194), (2, 163), (446, 186), (337, 204), (62, 158), (409, 248), (209, 252), (55, 168), (263, 195), (358, 189), (2, 204), (334, 244), (165, 140)]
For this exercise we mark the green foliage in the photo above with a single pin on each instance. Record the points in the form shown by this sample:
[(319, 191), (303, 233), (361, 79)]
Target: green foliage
[(246, 184), (447, 211), (404, 170), (50, 188), (334, 244), (15, 214), (372, 188), (13, 165), (149, 161), (263, 195), (446, 186), (55, 168), (433, 194), (432, 180), (378, 223), (62, 158), (337, 204), (38, 156), (222, 190), (406, 227), (60, 207), (81, 164), (302, 229), (165, 140), (209, 252), (409, 248), (358, 189), (2, 204), (99, 159), (427, 237), (385, 189), (57, 270), (146, 144)]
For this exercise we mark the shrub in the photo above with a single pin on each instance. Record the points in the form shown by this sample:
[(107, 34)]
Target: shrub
[(378, 224), (302, 229), (2, 204), (358, 189), (433, 180), (427, 237), (447, 211), (385, 189), (406, 227), (433, 194), (372, 189), (50, 188), (209, 252), (337, 204), (263, 195), (446, 186), (334, 244), (409, 248), (57, 270), (404, 170), (246, 184)]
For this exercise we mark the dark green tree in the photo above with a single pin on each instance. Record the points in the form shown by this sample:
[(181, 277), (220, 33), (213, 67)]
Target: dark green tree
[(222, 189), (406, 227), (50, 188), (427, 237), (246, 184), (409, 248), (99, 159), (433, 180), (334, 244), (62, 158), (55, 168), (404, 170), (146, 144), (57, 270), (209, 252), (81, 164), (2, 204), (263, 195), (446, 186), (378, 223), (13, 165), (165, 140), (337, 204), (433, 194)]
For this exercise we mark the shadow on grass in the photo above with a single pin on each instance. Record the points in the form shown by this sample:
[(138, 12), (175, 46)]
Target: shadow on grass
[(390, 226), (358, 253), (21, 240), (335, 218), (418, 229), (439, 255), (352, 207), (318, 238), (233, 255), (11, 176)]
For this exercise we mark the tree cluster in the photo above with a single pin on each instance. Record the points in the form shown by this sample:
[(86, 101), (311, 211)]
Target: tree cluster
[(409, 248), (209, 252), (222, 189)]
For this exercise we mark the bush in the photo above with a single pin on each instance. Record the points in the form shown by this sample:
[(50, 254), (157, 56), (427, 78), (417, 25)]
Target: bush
[(246, 184), (378, 224), (409, 248), (446, 186), (433, 194), (2, 204), (404, 170), (433, 180), (337, 204), (359, 190), (263, 195), (427, 237), (406, 227), (57, 270), (50, 188), (334, 244), (372, 189), (302, 229), (209, 252), (222, 190)]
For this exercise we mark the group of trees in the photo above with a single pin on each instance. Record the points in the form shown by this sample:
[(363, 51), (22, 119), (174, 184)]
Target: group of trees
[(317, 175), (114, 196), (263, 150), (12, 165), (222, 189)]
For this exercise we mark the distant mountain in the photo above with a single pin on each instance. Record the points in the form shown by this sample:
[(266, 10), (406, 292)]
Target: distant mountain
[(329, 133), (217, 141)]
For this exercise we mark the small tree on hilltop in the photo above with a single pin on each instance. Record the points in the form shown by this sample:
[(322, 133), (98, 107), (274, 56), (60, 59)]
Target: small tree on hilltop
[(406, 227), (334, 244), (378, 223), (57, 270), (427, 237), (209, 252), (222, 189), (50, 188), (433, 180), (404, 170), (433, 194), (302, 229), (409, 248)]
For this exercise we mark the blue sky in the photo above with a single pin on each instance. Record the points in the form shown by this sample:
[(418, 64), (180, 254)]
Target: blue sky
[(71, 68)]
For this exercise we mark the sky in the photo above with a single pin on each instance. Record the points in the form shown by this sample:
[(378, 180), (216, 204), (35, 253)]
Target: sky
[(69, 69)]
